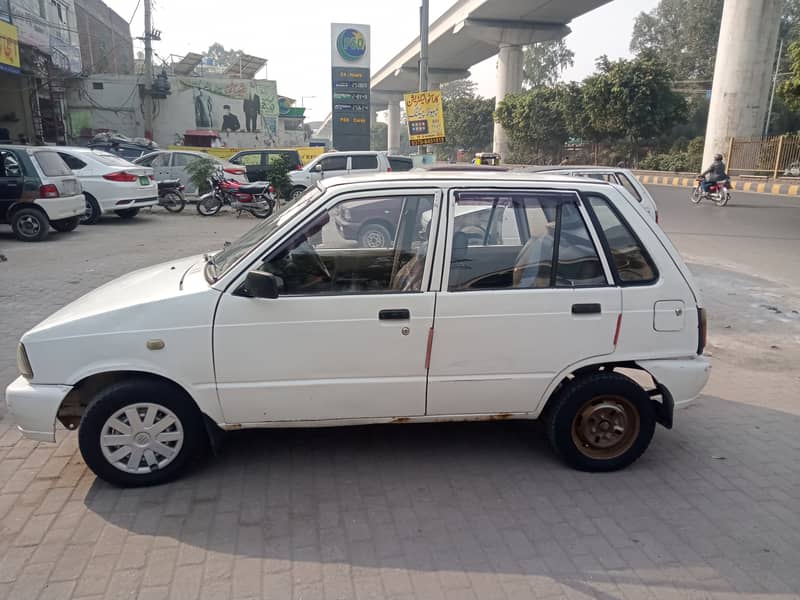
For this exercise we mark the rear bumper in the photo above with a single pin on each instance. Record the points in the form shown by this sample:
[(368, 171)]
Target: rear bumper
[(63, 207), (683, 378), (33, 408), (131, 203)]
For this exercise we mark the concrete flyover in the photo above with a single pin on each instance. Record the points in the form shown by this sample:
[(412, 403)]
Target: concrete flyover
[(469, 32)]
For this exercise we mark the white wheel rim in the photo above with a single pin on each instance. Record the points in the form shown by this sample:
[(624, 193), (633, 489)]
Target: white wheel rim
[(374, 239), (141, 438)]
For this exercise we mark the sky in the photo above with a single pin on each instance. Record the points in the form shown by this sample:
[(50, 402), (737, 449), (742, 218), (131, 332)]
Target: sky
[(296, 42)]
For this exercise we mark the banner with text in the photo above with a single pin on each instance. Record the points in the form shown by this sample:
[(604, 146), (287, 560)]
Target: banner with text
[(425, 118)]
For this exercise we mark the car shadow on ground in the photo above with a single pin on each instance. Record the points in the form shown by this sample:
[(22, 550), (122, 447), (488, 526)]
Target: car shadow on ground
[(490, 498)]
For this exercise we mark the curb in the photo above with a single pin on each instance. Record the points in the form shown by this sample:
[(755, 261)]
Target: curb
[(754, 187)]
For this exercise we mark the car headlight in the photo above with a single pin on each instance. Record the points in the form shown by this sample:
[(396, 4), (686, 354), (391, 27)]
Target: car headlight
[(23, 364)]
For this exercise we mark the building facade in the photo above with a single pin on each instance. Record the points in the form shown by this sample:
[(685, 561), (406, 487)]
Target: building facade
[(105, 39)]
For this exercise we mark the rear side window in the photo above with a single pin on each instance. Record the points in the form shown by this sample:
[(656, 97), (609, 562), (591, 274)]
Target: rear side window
[(633, 263), (623, 179), (400, 164), (51, 164), (76, 164), (364, 161)]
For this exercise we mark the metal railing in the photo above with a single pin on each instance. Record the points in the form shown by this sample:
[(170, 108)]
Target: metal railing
[(769, 156)]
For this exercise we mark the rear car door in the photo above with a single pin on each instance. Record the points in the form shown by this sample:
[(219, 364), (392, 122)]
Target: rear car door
[(177, 169), (333, 166), (526, 293), (11, 180)]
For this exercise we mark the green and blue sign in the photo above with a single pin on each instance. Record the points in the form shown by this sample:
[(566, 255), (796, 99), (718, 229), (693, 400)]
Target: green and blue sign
[(351, 44), (350, 86)]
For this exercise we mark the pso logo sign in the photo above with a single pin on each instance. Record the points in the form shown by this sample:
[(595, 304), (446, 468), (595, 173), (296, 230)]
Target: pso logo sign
[(351, 44)]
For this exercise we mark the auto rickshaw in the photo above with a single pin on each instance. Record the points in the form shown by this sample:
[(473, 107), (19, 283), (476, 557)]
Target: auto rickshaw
[(486, 158)]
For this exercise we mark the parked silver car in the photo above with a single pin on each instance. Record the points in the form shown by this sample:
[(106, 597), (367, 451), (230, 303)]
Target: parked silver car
[(171, 164)]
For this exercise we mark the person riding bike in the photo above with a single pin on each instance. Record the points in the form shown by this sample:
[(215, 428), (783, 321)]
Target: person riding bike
[(713, 174)]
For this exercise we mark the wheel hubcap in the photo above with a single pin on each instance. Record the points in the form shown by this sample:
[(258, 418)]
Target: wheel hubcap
[(29, 226), (141, 438), (374, 239), (605, 427)]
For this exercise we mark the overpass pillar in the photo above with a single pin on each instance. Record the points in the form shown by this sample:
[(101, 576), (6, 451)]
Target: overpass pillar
[(508, 81), (394, 127), (748, 37)]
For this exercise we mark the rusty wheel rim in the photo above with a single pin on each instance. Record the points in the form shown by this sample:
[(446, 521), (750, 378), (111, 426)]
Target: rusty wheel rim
[(605, 427)]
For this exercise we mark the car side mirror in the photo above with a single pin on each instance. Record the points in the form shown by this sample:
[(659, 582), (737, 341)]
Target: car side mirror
[(318, 168), (260, 284)]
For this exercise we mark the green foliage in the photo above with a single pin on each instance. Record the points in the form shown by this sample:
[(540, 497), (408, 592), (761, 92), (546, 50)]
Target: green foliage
[(200, 170), (545, 62), (535, 124), (279, 176), (789, 89), (688, 160), (223, 58), (459, 89), (469, 125), (632, 100)]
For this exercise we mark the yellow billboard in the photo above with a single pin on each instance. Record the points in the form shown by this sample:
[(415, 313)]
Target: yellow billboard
[(425, 118), (9, 48), (307, 153)]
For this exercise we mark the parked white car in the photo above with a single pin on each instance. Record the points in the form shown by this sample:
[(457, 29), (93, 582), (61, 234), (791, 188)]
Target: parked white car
[(619, 176), (335, 164), (554, 287), (110, 183)]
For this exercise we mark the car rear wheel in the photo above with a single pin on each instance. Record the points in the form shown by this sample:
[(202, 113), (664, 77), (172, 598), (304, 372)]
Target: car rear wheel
[(601, 422), (140, 432), (65, 225), (127, 213), (93, 212), (30, 225)]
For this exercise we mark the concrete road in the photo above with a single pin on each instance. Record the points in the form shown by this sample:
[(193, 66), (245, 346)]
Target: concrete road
[(455, 511)]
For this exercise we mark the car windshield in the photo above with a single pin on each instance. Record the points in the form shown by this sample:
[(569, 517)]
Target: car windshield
[(226, 258), (112, 160)]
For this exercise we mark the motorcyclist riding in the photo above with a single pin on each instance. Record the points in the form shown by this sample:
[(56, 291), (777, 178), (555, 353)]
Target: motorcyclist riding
[(716, 172)]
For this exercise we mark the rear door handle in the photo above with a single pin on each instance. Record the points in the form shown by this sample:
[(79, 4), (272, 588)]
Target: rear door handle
[(395, 314), (586, 309)]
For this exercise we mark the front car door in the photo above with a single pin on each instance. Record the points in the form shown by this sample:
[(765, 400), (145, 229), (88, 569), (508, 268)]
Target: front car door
[(177, 169), (12, 179), (333, 166), (253, 162), (526, 292), (347, 337)]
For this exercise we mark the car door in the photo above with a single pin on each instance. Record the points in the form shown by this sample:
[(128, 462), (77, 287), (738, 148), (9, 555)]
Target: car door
[(159, 162), (177, 169), (361, 164), (348, 335), (333, 166), (254, 165), (11, 180), (526, 293)]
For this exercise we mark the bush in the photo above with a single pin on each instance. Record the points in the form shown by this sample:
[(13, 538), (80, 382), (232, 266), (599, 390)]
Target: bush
[(279, 176), (688, 160), (200, 170)]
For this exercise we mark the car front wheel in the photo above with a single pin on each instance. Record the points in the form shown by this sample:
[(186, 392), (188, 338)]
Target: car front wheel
[(601, 422), (296, 192), (140, 432)]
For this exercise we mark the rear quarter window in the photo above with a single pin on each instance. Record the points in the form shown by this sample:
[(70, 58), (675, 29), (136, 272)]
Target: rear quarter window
[(52, 164), (401, 164), (631, 261)]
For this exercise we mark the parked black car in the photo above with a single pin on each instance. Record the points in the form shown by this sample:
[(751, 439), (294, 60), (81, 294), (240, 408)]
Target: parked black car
[(257, 162)]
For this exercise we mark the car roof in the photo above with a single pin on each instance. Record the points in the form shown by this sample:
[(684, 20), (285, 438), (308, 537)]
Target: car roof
[(478, 177), (592, 169)]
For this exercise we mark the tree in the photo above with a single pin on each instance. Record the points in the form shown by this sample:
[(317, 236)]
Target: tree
[(460, 88), (223, 58), (632, 100), (545, 62), (468, 123), (535, 124)]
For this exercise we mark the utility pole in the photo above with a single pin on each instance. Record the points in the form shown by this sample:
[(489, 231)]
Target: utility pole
[(423, 54), (772, 93), (148, 71)]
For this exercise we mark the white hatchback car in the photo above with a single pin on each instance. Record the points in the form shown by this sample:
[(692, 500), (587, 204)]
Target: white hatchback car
[(110, 183), (554, 290)]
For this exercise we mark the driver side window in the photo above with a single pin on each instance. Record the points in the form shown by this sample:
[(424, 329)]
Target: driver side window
[(360, 246)]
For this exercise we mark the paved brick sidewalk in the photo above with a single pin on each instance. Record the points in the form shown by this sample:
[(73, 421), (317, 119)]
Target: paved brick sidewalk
[(449, 511)]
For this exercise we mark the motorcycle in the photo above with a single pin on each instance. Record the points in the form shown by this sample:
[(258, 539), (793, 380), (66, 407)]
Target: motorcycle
[(170, 195), (258, 198), (718, 192)]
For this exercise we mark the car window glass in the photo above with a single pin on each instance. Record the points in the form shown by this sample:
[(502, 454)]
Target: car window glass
[(248, 160), (401, 164), (73, 163), (363, 246), (51, 164), (508, 241), (10, 165), (181, 159), (363, 161), (633, 263), (623, 179), (334, 163)]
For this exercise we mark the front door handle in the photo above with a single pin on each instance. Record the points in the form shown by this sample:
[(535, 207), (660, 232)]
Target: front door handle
[(586, 309), (395, 314)]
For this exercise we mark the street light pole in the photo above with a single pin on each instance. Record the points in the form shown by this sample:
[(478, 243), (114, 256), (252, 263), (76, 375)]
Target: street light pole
[(148, 72), (423, 54)]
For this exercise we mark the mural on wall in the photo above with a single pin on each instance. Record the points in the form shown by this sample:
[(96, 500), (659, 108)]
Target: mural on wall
[(231, 105)]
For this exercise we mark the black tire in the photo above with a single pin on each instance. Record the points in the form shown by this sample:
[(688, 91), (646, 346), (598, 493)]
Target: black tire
[(374, 235), (127, 213), (721, 198), (173, 202), (600, 394), (93, 212), (65, 225), (296, 192), (209, 206), (30, 224), (118, 396), (696, 195)]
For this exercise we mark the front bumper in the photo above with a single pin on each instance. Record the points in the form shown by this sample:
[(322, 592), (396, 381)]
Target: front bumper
[(34, 407)]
